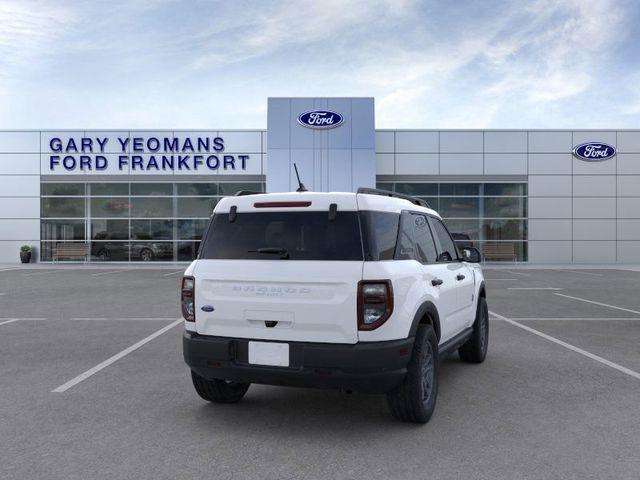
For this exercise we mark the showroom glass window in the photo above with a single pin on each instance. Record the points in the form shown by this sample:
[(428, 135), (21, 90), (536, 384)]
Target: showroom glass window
[(131, 221), (480, 213)]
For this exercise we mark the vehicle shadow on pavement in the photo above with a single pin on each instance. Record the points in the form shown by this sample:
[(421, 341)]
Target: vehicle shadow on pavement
[(301, 411)]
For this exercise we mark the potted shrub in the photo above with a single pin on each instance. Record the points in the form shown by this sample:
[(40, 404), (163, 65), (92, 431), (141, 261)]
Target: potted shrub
[(25, 253)]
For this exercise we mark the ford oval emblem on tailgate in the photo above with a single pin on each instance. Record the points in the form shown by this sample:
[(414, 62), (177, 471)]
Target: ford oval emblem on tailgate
[(320, 119), (207, 308)]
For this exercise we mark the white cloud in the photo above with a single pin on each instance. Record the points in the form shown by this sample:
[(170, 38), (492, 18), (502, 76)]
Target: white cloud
[(28, 29)]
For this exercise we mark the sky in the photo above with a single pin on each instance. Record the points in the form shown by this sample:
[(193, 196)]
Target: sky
[(429, 64)]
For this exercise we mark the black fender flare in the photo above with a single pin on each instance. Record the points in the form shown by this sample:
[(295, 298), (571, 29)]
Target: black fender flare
[(429, 308), (482, 291)]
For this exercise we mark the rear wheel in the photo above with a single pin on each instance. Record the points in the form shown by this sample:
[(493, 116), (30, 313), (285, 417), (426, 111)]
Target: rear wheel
[(475, 349), (219, 391), (415, 398)]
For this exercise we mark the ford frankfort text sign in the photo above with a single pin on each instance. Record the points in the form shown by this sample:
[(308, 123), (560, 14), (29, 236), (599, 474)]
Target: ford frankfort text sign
[(594, 151), (142, 154), (320, 119)]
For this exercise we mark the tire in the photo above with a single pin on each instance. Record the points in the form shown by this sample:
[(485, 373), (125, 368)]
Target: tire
[(415, 398), (219, 391), (104, 255), (146, 255), (475, 349)]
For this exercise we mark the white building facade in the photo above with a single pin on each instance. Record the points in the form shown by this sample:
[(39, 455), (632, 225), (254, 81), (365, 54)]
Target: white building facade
[(545, 196)]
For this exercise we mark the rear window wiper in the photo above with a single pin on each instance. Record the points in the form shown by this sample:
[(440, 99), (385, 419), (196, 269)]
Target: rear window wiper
[(283, 252)]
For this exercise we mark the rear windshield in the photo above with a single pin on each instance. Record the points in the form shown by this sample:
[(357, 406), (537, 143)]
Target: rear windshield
[(284, 235)]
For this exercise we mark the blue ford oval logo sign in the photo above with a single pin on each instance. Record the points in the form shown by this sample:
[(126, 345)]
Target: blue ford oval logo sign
[(321, 119), (594, 151)]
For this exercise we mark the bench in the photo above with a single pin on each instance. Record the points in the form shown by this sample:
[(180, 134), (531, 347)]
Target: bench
[(499, 251), (70, 250)]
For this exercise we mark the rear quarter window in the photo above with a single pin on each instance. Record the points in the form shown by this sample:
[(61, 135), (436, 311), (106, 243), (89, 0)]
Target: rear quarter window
[(379, 234)]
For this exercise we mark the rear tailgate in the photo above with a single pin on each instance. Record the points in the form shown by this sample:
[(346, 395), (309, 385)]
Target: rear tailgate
[(281, 267), (272, 300)]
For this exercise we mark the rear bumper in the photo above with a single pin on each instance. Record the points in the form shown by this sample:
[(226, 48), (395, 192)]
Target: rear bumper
[(372, 367)]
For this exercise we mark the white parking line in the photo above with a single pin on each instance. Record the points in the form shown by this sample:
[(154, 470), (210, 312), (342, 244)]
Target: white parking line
[(9, 269), (502, 279), (83, 376), (10, 320), (519, 273), (90, 319), (106, 273), (598, 303), (579, 272), (573, 348), (534, 288), (577, 319), (173, 273), (2, 294)]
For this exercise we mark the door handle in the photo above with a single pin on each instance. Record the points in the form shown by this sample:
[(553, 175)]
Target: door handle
[(460, 277), (436, 281)]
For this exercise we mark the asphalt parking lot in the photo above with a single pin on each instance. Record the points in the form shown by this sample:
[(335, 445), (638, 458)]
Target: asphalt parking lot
[(93, 385)]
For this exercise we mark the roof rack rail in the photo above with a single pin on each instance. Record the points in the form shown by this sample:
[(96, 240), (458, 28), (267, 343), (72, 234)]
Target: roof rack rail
[(387, 193), (242, 193)]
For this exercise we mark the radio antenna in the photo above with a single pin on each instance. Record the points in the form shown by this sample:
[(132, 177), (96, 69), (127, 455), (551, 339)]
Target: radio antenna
[(301, 187)]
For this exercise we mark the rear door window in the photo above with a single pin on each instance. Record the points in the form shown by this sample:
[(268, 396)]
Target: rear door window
[(284, 235), (447, 251), (425, 246), (415, 241)]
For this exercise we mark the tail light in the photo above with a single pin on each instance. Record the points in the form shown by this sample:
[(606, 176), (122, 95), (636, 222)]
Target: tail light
[(375, 303), (187, 298)]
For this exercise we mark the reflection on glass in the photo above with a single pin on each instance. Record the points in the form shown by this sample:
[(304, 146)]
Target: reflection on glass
[(459, 207), (110, 207), (151, 251), (505, 207), (513, 189), (148, 189), (191, 229), (105, 251), (108, 189), (151, 207), (187, 251), (62, 189), (62, 230), (62, 207), (102, 229), (471, 228), (459, 189), (504, 229), (198, 189), (196, 206), (434, 202), (144, 226), (231, 188), (151, 229), (421, 189)]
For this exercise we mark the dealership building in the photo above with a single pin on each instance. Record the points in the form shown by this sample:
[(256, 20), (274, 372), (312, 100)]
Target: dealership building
[(537, 196)]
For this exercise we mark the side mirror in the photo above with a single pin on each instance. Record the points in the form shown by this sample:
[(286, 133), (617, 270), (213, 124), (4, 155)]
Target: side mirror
[(471, 255)]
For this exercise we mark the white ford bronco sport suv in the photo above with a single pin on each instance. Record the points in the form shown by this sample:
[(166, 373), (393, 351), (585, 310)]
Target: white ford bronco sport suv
[(355, 291)]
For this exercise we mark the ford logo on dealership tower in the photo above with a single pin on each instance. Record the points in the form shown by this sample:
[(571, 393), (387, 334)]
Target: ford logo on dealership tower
[(594, 151), (320, 119)]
